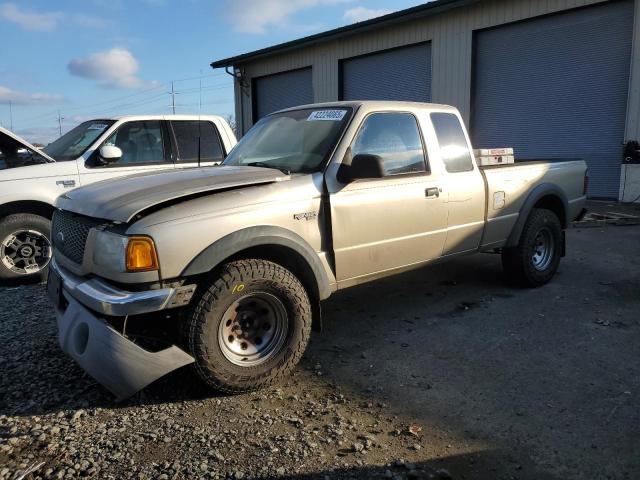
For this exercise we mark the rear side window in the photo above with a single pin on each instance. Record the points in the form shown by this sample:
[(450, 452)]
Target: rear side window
[(454, 149), (187, 133), (394, 137)]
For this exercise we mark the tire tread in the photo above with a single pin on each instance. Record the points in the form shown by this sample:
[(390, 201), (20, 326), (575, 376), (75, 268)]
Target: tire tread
[(221, 283), (516, 261)]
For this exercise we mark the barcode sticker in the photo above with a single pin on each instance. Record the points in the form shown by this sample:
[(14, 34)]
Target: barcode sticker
[(97, 126), (332, 115)]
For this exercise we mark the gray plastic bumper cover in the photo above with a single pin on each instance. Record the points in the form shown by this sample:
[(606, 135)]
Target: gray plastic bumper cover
[(114, 361)]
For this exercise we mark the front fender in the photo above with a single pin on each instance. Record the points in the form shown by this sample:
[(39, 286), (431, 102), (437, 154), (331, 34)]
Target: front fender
[(250, 237)]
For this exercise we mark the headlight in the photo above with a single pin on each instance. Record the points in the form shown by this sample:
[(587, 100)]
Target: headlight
[(124, 254)]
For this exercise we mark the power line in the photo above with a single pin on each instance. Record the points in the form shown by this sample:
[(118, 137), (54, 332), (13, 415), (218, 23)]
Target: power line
[(216, 74), (123, 97), (149, 97), (73, 109)]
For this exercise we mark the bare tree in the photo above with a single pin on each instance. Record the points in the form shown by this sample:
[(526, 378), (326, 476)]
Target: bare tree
[(231, 120)]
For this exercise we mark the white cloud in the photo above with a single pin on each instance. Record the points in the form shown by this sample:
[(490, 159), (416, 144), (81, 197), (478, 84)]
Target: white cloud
[(360, 14), (255, 16), (47, 21), (115, 68), (44, 22), (23, 98)]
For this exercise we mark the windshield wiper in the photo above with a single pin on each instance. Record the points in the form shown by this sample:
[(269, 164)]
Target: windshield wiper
[(266, 165)]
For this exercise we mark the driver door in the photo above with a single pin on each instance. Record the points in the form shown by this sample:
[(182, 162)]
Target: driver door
[(384, 224), (145, 146)]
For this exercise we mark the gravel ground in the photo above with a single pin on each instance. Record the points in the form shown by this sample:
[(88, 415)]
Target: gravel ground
[(442, 373)]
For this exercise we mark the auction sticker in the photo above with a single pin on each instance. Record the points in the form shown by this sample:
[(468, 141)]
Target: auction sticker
[(332, 115), (97, 126)]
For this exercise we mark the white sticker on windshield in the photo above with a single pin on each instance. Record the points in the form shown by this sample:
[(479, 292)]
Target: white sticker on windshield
[(333, 115), (97, 126)]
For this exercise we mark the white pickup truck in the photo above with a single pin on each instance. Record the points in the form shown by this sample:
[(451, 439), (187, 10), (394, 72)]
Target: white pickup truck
[(31, 179)]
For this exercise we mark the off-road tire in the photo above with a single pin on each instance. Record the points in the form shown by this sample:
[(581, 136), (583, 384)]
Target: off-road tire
[(518, 262), (27, 221), (202, 321)]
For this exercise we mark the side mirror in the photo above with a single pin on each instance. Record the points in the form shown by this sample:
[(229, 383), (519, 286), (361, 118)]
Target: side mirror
[(109, 154), (363, 165)]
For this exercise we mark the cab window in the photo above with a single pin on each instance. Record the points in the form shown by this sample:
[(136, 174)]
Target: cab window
[(454, 148), (396, 138), (195, 138), (141, 142)]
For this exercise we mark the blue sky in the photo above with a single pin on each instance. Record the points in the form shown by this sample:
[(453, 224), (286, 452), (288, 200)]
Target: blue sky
[(96, 58)]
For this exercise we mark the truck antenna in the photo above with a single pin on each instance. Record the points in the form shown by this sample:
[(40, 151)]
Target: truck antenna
[(199, 117)]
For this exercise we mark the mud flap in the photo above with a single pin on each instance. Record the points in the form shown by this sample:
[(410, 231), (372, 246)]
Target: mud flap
[(118, 364)]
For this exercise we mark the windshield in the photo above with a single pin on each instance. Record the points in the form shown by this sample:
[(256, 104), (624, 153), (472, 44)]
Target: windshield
[(297, 141), (76, 141)]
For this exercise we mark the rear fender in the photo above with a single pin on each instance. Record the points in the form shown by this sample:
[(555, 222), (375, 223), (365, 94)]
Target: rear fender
[(537, 194)]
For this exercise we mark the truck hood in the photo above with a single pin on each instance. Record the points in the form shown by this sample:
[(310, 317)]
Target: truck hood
[(121, 199), (7, 137)]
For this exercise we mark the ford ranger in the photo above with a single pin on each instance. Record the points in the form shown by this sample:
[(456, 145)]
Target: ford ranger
[(31, 179), (224, 268)]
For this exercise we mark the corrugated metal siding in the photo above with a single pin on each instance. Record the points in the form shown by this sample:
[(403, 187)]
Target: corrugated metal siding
[(451, 38), (398, 74), (557, 87), (283, 90), (633, 112)]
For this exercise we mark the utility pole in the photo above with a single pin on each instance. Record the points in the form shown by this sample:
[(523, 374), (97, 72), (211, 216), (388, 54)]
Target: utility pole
[(173, 98), (60, 118), (10, 116)]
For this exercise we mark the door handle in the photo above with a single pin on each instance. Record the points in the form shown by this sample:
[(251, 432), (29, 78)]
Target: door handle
[(433, 192)]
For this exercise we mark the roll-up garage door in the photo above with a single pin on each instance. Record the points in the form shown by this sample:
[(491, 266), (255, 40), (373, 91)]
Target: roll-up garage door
[(556, 87), (398, 74), (282, 90)]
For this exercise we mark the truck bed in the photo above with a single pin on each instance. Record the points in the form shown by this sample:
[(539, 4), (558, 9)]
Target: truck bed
[(508, 187)]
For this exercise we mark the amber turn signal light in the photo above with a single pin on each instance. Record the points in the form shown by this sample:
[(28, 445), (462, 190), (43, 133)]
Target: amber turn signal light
[(141, 255)]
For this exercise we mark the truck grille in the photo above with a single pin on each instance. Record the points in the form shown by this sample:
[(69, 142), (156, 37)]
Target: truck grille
[(69, 234)]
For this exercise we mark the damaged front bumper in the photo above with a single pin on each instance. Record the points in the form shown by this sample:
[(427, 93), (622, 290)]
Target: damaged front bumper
[(113, 360)]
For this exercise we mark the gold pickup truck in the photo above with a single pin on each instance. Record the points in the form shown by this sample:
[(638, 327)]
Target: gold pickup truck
[(224, 268)]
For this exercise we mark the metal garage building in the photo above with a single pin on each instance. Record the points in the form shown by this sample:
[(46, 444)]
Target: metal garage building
[(552, 78)]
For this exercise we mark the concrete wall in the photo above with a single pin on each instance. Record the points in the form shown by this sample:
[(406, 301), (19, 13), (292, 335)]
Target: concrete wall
[(451, 36)]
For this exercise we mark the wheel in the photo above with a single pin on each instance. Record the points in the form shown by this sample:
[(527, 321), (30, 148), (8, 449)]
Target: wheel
[(534, 261), (25, 249), (249, 327)]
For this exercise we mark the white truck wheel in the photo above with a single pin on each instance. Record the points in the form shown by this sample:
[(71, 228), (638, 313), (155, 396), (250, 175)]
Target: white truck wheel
[(25, 247)]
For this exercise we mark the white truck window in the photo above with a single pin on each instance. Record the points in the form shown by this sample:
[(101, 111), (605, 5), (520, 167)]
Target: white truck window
[(394, 137), (189, 133), (141, 142), (454, 149)]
